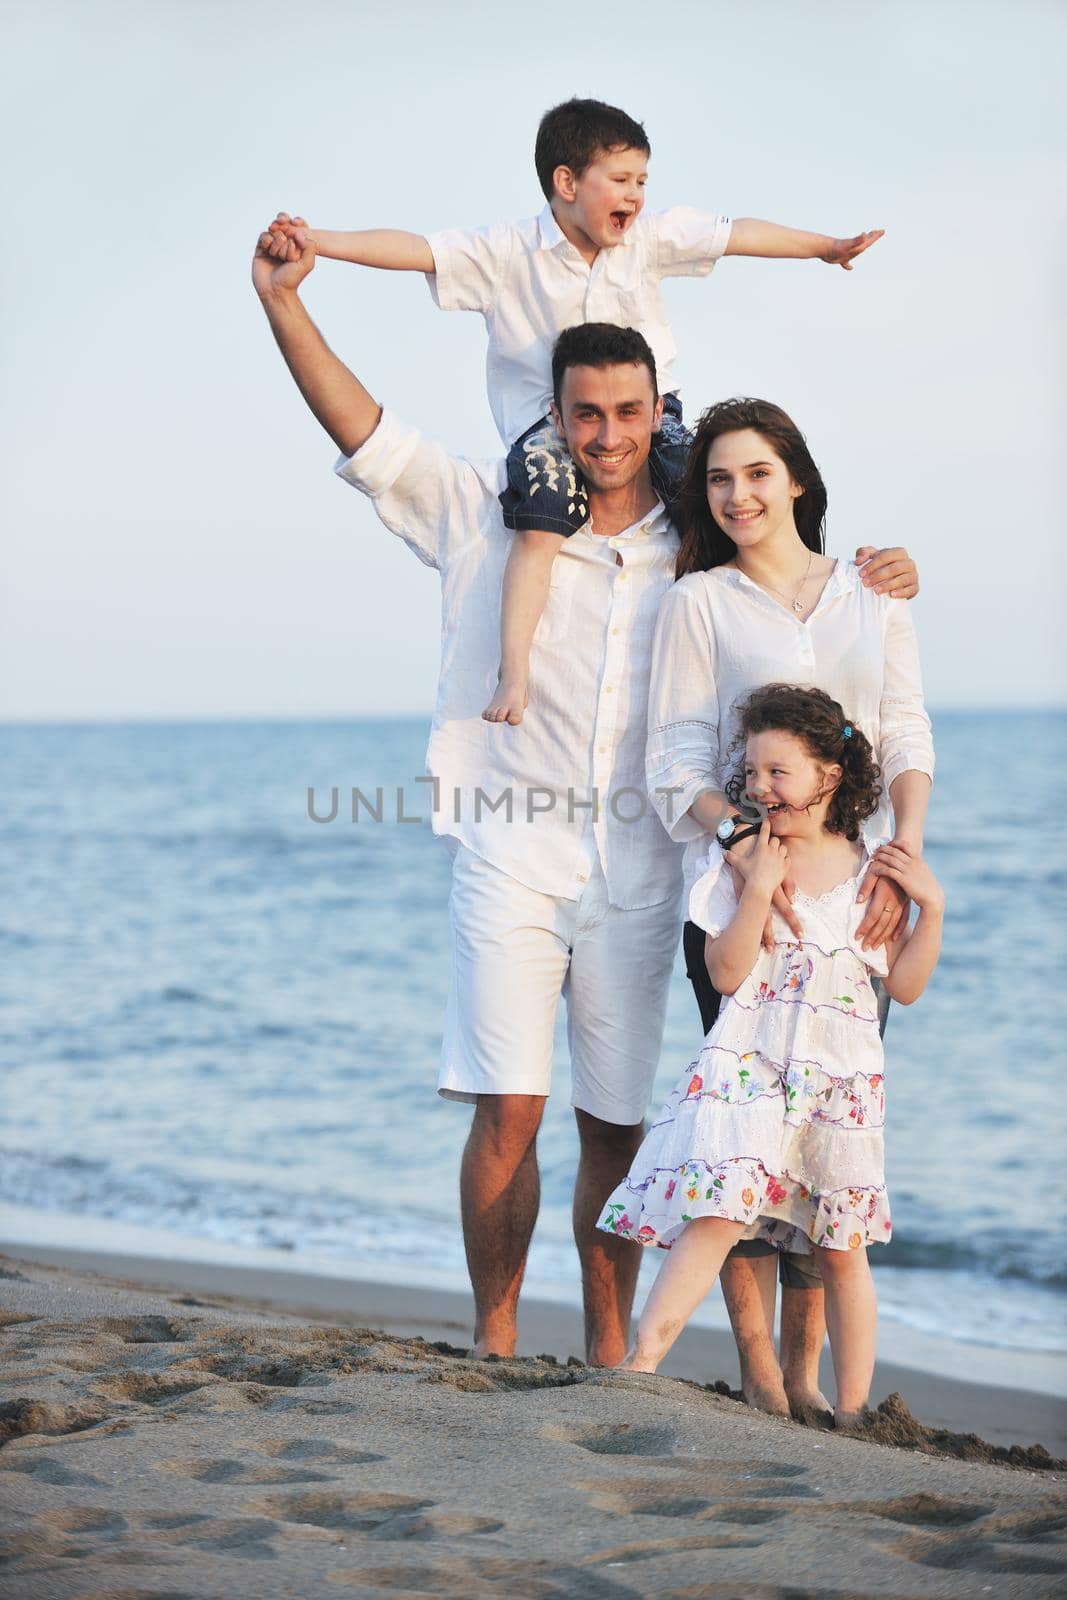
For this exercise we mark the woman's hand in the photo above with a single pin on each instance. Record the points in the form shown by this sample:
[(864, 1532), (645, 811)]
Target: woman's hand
[(911, 874), (746, 857), (888, 900)]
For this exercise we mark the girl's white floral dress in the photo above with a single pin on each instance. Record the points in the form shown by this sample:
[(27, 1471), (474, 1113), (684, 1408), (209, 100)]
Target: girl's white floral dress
[(779, 1121)]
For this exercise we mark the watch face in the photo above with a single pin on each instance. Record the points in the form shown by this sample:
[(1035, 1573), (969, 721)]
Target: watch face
[(725, 828)]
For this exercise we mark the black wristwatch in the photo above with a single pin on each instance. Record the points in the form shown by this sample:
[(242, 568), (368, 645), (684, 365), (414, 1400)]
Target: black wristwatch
[(732, 830)]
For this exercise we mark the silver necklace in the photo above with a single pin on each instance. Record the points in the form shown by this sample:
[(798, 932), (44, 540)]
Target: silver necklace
[(795, 602)]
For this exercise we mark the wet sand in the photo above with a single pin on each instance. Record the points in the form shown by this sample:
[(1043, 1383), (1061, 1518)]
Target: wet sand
[(225, 1433)]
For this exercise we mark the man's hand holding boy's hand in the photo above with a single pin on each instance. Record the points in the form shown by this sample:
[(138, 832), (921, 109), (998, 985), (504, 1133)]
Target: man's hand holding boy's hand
[(285, 231), (281, 263), (843, 252)]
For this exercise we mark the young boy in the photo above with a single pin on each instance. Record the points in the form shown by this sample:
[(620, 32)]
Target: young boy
[(591, 256)]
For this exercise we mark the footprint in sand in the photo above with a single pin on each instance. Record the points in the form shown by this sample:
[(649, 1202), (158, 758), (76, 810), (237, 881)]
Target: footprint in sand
[(25, 1416), (45, 1469), (219, 1470), (147, 1329), (1030, 1542), (149, 1388), (376, 1516), (704, 1495), (615, 1438), (489, 1579), (324, 1451)]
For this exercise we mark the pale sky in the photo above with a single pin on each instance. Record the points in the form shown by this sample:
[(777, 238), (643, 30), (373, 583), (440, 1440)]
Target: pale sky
[(175, 541)]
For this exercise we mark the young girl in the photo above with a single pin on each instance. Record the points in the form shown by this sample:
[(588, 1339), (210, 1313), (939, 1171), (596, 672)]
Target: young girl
[(776, 1129)]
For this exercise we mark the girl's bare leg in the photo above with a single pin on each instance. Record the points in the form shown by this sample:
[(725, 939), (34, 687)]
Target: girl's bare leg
[(748, 1287), (684, 1279), (852, 1320), (526, 580)]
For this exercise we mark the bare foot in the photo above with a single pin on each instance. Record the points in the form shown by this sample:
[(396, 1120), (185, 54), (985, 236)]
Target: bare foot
[(851, 1421), (508, 703), (808, 1404), (498, 1339), (606, 1353), (769, 1397), (636, 1362)]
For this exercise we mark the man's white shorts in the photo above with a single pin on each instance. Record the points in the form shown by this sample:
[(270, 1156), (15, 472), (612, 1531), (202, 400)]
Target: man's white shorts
[(515, 951)]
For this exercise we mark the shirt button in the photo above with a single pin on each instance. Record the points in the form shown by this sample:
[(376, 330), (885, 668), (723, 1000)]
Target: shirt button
[(581, 877), (607, 689), (601, 749), (615, 632), (622, 577)]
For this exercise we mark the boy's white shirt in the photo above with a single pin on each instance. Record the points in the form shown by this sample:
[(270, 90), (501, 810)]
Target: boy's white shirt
[(529, 283)]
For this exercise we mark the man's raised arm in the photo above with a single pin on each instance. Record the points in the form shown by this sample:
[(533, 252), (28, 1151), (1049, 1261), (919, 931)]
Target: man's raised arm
[(335, 395)]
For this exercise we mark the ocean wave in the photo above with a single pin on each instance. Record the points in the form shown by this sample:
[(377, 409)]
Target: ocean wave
[(930, 1285)]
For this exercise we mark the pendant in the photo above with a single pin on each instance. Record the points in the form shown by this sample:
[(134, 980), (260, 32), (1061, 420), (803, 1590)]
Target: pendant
[(797, 607)]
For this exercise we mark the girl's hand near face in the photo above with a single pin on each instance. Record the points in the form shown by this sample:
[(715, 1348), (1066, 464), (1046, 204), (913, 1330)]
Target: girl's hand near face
[(767, 865), (741, 860)]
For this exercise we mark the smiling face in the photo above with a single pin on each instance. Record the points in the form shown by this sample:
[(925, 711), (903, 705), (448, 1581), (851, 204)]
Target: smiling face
[(783, 775), (601, 206), (750, 491), (608, 416)]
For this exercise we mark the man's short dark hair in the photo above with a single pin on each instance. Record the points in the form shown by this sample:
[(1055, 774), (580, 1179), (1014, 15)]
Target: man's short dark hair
[(575, 133), (601, 344)]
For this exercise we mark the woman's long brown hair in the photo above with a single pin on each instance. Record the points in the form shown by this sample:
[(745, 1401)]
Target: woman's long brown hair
[(704, 545)]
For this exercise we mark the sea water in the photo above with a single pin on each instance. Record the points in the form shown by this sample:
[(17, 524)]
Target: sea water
[(221, 1018)]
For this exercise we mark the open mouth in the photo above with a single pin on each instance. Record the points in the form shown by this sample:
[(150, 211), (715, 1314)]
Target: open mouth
[(777, 809), (743, 516), (619, 220)]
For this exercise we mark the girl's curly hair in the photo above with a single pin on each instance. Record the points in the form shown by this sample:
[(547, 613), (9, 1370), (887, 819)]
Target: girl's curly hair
[(820, 723)]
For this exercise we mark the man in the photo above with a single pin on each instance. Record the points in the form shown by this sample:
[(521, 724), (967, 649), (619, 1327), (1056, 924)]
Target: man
[(564, 881)]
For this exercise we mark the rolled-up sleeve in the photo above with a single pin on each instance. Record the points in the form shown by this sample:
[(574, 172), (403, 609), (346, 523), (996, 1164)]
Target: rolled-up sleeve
[(905, 742), (689, 242), (683, 714), (712, 899), (468, 266), (434, 502)]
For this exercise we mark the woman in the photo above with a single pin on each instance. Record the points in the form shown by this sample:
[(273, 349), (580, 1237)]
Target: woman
[(757, 602)]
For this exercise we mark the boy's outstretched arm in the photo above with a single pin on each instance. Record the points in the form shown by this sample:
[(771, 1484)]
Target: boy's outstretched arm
[(751, 237), (389, 248)]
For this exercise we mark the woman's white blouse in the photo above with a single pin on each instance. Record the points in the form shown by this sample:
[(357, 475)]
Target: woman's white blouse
[(719, 636)]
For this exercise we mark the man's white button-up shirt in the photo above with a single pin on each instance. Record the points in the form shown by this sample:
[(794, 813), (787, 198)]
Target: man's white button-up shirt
[(529, 283), (544, 800)]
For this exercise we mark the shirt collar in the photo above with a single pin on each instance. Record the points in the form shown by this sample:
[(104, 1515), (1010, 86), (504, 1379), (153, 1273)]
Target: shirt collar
[(550, 232)]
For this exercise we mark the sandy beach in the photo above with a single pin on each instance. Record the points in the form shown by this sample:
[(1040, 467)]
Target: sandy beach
[(180, 1430)]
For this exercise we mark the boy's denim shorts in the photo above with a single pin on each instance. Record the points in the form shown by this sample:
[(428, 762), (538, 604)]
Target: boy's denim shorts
[(546, 490)]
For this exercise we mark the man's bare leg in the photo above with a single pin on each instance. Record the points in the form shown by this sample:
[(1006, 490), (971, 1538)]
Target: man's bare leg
[(609, 1265), (803, 1335), (500, 1191), (748, 1287), (525, 594)]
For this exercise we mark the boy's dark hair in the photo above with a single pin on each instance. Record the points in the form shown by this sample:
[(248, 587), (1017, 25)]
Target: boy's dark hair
[(704, 545), (600, 344), (820, 724), (575, 133)]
